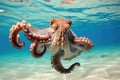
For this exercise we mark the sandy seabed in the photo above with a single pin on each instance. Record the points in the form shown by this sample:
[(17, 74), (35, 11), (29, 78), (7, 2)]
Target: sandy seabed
[(95, 65)]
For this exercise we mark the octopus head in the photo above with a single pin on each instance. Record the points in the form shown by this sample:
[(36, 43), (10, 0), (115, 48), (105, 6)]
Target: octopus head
[(61, 28)]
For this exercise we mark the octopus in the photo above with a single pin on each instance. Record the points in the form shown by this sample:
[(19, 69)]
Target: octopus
[(58, 39)]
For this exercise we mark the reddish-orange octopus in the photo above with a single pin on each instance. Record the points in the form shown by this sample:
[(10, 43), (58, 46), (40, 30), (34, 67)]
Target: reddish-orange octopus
[(58, 39)]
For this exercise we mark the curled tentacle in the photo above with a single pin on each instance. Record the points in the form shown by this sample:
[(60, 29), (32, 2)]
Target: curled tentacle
[(55, 61), (84, 42), (32, 34), (14, 36), (33, 49)]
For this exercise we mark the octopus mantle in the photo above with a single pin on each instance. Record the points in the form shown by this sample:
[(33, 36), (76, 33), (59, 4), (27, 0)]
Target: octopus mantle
[(58, 39)]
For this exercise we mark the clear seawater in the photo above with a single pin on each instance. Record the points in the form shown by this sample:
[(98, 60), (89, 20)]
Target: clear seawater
[(99, 20)]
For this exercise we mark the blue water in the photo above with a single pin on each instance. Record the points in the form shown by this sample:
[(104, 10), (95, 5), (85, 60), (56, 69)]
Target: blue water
[(99, 20)]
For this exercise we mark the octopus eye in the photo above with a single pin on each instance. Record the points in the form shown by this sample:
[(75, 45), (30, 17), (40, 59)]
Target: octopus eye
[(67, 26), (55, 26), (51, 21), (69, 22)]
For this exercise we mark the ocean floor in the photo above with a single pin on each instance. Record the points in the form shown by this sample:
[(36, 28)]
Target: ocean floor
[(97, 64)]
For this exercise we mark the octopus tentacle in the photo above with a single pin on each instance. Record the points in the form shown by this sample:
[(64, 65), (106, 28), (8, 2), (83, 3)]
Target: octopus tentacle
[(84, 42), (55, 61), (15, 37), (32, 34), (33, 49), (35, 34)]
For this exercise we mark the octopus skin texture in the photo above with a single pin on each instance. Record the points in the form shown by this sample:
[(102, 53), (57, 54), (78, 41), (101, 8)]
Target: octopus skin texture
[(58, 39)]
